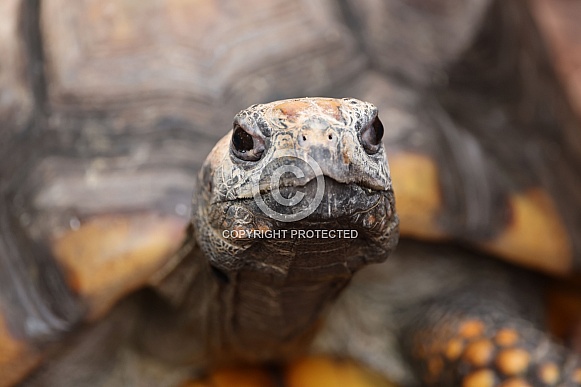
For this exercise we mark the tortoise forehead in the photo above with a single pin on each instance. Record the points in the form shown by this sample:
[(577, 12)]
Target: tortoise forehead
[(300, 111)]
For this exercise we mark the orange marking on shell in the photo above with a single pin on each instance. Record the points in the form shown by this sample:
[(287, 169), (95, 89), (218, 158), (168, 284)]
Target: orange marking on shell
[(536, 237), (506, 337), (471, 329), (479, 352), (110, 256), (454, 349), (417, 194), (197, 384), (576, 377), (515, 382), (481, 378), (549, 373), (16, 358), (318, 371), (242, 377), (513, 361), (247, 376)]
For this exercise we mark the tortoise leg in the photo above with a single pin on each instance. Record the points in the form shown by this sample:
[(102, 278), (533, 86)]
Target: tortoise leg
[(474, 338), (437, 315)]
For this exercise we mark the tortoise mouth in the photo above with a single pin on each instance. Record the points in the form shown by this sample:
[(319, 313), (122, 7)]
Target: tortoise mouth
[(336, 199), (291, 219), (350, 227), (327, 209), (316, 200)]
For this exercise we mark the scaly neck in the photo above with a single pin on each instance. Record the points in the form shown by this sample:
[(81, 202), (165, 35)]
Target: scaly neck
[(271, 307)]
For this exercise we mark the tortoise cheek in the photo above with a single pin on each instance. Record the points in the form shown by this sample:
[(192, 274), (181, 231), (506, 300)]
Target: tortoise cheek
[(206, 180)]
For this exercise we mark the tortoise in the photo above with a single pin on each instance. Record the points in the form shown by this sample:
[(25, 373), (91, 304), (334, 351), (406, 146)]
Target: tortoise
[(110, 109)]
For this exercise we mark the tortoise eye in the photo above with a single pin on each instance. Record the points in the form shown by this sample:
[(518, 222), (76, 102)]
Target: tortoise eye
[(246, 146), (372, 135)]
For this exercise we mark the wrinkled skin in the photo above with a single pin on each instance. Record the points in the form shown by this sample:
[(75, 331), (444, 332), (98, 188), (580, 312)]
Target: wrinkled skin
[(276, 288)]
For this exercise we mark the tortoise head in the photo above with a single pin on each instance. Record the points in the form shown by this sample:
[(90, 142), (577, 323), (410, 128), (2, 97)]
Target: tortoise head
[(309, 171), (288, 206)]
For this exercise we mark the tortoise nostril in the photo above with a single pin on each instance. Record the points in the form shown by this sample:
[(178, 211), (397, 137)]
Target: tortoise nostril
[(330, 137), (304, 138)]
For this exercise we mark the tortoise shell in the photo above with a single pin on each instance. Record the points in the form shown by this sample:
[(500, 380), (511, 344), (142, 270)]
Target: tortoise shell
[(109, 109)]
